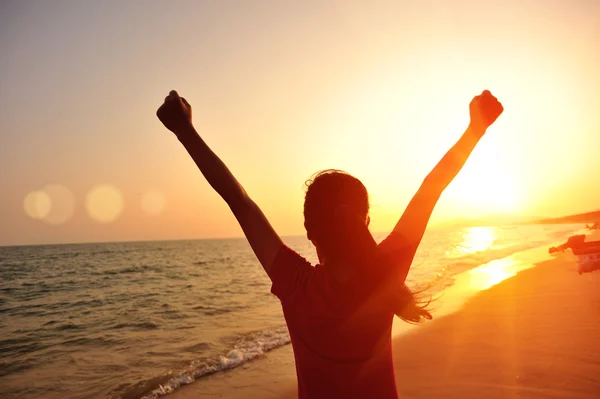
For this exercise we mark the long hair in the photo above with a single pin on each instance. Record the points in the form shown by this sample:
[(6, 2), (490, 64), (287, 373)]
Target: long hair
[(336, 211)]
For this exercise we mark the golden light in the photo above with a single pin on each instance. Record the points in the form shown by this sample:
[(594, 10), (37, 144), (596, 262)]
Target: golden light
[(104, 203), (37, 204), (153, 202), (483, 277), (488, 184)]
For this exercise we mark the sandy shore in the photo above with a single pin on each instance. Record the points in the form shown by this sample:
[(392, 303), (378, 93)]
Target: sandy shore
[(535, 335)]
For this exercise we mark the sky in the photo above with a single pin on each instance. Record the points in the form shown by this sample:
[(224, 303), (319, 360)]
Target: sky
[(281, 90)]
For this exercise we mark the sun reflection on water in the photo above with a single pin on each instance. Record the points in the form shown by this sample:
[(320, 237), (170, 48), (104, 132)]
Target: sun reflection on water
[(480, 239), (475, 239)]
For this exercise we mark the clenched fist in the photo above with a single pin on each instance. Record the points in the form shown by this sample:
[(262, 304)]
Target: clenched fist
[(175, 113), (484, 110)]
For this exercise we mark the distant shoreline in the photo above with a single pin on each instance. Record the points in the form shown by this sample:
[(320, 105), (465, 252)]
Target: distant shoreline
[(589, 217)]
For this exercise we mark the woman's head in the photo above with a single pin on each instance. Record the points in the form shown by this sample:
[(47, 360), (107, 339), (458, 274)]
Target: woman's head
[(332, 195), (336, 215)]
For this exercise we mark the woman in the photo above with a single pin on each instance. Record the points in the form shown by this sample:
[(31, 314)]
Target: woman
[(340, 312)]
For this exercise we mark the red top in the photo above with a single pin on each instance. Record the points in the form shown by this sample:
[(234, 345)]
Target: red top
[(341, 333)]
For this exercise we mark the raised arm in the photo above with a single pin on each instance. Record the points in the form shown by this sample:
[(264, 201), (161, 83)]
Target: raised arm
[(408, 232), (176, 115)]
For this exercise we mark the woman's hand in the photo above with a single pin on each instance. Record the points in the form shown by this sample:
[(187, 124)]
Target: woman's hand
[(176, 114), (484, 110), (407, 235)]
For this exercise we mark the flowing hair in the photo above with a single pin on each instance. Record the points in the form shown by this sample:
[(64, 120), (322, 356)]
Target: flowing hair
[(336, 209)]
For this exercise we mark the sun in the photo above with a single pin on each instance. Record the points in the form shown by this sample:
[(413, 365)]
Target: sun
[(485, 186)]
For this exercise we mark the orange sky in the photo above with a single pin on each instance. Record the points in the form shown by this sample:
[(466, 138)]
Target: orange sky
[(281, 90)]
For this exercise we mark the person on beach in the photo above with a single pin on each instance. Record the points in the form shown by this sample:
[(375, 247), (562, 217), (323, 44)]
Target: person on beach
[(339, 313)]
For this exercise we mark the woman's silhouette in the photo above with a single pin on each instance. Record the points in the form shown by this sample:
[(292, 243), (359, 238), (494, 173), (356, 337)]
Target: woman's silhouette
[(339, 313)]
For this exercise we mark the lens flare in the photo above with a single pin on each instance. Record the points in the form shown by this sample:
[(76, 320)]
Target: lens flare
[(63, 204), (104, 203), (37, 204), (54, 204)]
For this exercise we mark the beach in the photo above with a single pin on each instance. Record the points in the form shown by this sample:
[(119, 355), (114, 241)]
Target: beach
[(195, 319), (533, 335), (157, 157)]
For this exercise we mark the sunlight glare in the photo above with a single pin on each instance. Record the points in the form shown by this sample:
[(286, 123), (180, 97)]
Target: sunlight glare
[(486, 185)]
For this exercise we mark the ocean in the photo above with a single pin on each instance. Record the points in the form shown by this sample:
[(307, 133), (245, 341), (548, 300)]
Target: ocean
[(140, 319)]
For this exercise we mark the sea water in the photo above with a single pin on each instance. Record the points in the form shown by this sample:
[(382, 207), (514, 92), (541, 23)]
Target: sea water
[(139, 319)]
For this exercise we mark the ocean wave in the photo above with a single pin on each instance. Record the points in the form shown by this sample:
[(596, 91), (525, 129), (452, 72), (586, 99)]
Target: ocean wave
[(8, 367), (138, 269), (90, 342), (10, 343), (146, 325), (214, 261), (88, 304), (68, 326), (248, 347), (22, 309), (212, 311), (110, 251), (23, 346), (202, 346)]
